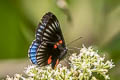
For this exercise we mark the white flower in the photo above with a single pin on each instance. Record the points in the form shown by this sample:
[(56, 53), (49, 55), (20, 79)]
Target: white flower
[(107, 77), (82, 67), (16, 77), (8, 78), (31, 70)]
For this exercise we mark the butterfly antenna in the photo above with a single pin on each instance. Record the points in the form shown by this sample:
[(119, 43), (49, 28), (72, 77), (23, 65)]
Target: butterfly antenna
[(74, 41)]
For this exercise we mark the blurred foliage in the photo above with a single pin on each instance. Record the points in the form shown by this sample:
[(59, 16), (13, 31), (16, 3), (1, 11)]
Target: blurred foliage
[(13, 42), (97, 21)]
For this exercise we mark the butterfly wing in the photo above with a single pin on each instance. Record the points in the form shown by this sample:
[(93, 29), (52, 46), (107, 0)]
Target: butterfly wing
[(47, 34), (32, 52)]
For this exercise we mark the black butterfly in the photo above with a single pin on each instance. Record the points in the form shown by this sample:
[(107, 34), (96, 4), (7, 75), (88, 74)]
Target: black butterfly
[(49, 46)]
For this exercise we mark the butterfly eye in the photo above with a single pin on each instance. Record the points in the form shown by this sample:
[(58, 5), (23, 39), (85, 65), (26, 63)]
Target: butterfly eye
[(60, 41), (55, 46)]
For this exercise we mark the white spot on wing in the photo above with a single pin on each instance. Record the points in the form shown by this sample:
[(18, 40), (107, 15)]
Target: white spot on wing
[(53, 26), (44, 44), (39, 30), (39, 54), (38, 38), (44, 38), (46, 34), (42, 27), (43, 47), (41, 50), (38, 34), (56, 23), (48, 30)]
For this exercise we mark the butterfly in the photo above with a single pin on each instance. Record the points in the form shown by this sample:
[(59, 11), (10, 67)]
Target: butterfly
[(49, 45)]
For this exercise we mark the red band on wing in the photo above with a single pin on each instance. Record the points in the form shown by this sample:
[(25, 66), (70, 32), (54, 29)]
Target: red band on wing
[(60, 41), (55, 46), (57, 62), (49, 60)]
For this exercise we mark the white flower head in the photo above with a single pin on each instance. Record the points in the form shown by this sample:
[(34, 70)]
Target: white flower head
[(8, 78), (16, 77), (82, 67), (31, 70)]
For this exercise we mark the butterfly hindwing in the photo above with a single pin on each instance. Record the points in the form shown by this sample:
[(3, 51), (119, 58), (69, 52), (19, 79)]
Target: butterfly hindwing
[(32, 52)]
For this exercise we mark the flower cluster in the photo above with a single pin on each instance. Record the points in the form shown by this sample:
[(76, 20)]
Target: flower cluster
[(89, 62), (82, 67)]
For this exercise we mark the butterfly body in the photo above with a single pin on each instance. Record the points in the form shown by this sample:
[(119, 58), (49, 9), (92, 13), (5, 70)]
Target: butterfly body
[(49, 46)]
